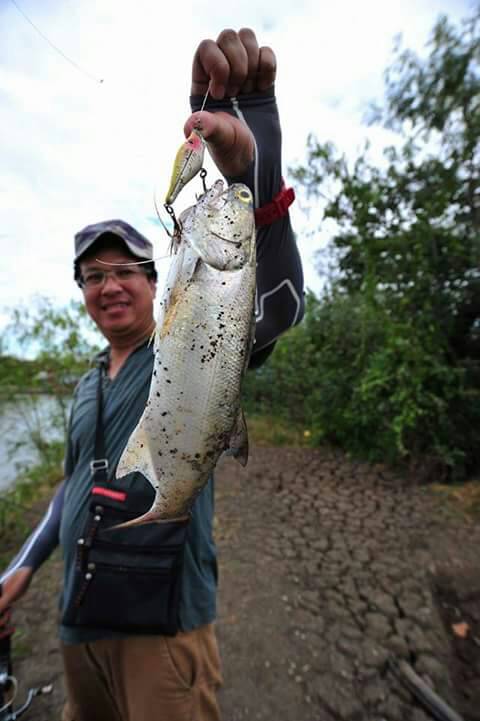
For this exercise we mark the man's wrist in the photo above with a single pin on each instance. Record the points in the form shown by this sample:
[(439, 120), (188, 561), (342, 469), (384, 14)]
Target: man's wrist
[(277, 208)]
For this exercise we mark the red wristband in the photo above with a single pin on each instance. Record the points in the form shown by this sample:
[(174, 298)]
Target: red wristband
[(279, 206)]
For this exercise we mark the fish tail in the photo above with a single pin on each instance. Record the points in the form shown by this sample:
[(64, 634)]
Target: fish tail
[(136, 456)]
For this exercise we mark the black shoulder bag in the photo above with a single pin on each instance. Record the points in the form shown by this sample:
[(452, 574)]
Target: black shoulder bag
[(127, 579)]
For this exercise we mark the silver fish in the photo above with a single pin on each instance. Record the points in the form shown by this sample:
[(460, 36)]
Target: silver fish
[(203, 340)]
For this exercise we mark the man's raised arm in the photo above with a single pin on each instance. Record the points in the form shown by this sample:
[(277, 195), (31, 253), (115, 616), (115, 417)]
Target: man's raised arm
[(242, 129)]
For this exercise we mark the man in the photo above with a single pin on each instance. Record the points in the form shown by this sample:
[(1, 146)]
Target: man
[(113, 675)]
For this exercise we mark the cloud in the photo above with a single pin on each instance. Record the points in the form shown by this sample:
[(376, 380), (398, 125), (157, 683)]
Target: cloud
[(78, 151)]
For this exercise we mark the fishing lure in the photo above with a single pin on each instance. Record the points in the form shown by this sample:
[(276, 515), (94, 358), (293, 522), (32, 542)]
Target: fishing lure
[(187, 164)]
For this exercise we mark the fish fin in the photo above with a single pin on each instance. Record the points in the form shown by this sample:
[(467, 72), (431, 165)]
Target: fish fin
[(152, 337), (136, 456), (239, 440), (152, 516), (251, 343)]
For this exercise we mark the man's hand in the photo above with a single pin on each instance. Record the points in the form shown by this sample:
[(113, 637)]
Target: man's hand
[(12, 589), (231, 66)]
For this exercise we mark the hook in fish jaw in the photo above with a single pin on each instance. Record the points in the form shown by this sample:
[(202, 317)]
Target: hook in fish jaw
[(177, 228)]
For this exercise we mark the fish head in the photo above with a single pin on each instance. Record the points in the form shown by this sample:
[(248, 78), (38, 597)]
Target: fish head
[(221, 227)]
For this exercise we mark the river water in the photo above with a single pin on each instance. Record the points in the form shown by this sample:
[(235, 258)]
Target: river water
[(17, 421)]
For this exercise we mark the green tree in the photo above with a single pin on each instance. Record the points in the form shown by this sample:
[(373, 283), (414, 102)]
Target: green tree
[(45, 350), (407, 248)]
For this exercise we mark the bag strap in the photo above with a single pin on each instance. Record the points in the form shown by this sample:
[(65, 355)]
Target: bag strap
[(99, 465)]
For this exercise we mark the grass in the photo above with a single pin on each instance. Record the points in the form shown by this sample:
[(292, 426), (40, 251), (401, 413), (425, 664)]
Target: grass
[(33, 486), (461, 498), (22, 647), (271, 431)]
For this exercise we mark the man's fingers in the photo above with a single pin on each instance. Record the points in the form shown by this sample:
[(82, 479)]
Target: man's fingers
[(229, 141), (217, 128), (250, 44), (267, 69), (231, 65), (234, 51), (210, 68)]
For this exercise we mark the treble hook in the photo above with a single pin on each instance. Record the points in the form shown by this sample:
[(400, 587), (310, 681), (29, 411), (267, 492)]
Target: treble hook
[(177, 228), (203, 175)]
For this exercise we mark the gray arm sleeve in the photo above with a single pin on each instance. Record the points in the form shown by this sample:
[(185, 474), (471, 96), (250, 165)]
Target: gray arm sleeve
[(44, 539), (279, 301)]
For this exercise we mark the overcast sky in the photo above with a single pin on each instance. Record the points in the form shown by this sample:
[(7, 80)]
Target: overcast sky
[(75, 151)]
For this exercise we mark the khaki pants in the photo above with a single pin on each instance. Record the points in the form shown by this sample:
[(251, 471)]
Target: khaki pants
[(144, 678)]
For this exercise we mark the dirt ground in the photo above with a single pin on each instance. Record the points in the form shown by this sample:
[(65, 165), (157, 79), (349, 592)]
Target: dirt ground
[(328, 569)]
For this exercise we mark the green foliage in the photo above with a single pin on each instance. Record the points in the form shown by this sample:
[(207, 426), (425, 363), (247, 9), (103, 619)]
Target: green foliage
[(33, 486), (270, 430), (61, 340), (280, 387), (56, 345), (387, 361)]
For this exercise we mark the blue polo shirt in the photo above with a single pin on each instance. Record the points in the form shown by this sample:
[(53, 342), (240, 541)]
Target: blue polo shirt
[(124, 400)]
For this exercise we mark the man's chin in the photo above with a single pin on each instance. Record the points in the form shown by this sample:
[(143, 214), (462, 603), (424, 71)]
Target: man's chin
[(116, 316), (119, 324)]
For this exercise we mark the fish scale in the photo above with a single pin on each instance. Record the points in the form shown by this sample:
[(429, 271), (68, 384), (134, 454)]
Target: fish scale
[(202, 344)]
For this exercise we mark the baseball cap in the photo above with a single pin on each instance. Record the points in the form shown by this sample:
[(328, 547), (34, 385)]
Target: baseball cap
[(137, 244)]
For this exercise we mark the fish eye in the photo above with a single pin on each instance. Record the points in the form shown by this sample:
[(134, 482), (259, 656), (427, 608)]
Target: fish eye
[(244, 195)]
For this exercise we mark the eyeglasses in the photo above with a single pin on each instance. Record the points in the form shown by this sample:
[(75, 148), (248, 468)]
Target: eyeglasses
[(97, 278)]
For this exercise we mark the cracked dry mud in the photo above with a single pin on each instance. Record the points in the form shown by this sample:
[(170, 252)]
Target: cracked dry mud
[(327, 568)]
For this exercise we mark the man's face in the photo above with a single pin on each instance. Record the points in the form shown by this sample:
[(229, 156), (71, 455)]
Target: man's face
[(120, 308)]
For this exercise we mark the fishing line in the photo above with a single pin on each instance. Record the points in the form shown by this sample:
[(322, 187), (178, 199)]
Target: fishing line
[(205, 98), (60, 52), (134, 262), (96, 80)]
